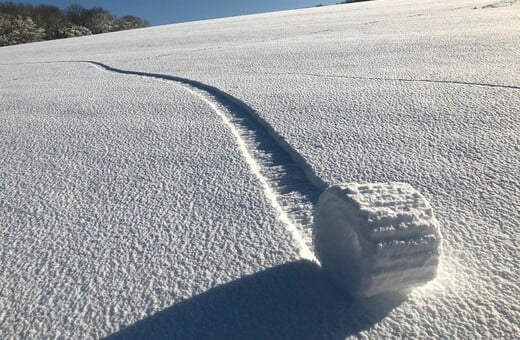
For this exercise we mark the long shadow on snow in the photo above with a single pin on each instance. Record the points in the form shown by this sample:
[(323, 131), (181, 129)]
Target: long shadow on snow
[(290, 301)]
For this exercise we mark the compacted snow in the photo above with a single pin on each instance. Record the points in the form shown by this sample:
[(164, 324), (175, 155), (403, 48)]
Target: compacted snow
[(376, 238), (161, 182)]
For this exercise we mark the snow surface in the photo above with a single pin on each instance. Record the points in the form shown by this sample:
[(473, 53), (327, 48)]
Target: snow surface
[(169, 189), (376, 238)]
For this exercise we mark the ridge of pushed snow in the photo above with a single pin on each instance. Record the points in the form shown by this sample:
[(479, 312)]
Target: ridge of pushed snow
[(287, 180)]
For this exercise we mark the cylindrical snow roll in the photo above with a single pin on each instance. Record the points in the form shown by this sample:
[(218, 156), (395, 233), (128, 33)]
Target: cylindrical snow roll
[(376, 238)]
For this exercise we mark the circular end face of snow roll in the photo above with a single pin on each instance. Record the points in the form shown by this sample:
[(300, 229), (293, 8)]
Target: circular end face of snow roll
[(376, 238)]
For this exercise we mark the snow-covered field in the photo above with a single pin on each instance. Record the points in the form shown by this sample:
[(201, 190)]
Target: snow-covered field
[(160, 182)]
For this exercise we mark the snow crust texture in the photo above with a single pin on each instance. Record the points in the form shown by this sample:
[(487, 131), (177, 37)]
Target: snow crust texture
[(288, 182), (376, 238), (119, 198), (128, 203)]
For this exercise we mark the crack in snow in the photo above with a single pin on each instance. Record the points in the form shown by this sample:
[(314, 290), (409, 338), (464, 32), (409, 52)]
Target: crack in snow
[(503, 3), (432, 81), (196, 83), (287, 180)]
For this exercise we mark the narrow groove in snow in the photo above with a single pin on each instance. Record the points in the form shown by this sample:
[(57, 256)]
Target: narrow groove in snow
[(319, 75), (287, 180), (406, 80)]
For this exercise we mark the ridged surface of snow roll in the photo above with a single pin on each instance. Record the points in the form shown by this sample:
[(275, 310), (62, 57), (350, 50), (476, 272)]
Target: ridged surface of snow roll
[(376, 238)]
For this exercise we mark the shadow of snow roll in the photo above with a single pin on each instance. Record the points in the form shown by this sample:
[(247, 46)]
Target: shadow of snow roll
[(291, 301)]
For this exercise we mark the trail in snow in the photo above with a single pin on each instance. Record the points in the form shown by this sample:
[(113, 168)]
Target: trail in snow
[(319, 75), (287, 180)]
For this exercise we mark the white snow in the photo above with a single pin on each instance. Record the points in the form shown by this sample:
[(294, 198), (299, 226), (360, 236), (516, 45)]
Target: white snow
[(375, 238), (128, 203)]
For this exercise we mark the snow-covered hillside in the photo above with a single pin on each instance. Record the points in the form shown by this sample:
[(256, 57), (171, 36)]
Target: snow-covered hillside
[(161, 181)]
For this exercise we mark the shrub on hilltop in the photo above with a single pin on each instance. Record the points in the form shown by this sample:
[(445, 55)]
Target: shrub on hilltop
[(19, 29), (20, 23)]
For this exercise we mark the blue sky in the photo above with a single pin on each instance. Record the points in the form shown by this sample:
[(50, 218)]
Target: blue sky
[(159, 12)]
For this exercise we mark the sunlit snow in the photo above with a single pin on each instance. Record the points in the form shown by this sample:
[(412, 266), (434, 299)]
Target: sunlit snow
[(161, 182), (376, 238)]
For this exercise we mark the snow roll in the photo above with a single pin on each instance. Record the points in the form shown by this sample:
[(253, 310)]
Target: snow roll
[(376, 238)]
